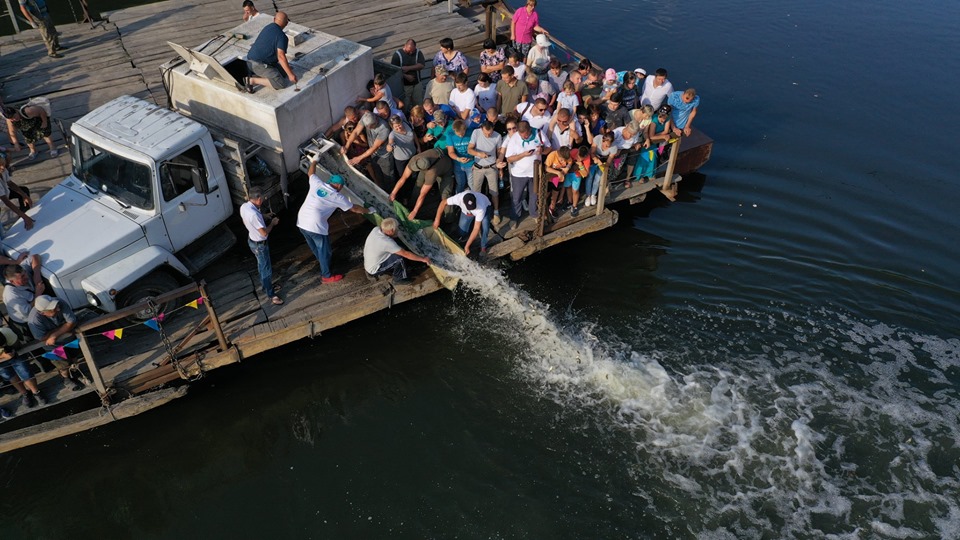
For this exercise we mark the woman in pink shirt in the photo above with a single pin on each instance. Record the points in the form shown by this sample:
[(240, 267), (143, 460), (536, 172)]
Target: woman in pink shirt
[(525, 21)]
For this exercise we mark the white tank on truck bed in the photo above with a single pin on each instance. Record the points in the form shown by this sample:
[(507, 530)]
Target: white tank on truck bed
[(207, 85)]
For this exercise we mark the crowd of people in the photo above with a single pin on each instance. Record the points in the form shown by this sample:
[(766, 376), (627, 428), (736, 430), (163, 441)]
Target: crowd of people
[(480, 141), (525, 107), (477, 142)]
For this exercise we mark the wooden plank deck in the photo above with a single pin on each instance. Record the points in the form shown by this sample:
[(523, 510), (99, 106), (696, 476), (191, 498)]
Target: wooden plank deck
[(122, 55)]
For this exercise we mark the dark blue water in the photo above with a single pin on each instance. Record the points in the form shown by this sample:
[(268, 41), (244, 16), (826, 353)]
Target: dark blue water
[(776, 355)]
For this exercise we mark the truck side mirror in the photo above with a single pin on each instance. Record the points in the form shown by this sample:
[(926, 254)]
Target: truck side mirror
[(199, 177)]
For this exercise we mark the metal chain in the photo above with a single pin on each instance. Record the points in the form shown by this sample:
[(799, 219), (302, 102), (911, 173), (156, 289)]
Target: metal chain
[(166, 341)]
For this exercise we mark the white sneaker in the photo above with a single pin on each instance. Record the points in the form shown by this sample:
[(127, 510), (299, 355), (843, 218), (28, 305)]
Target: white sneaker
[(586, 202)]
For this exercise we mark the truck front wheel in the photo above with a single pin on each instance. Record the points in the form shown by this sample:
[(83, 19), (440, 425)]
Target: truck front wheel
[(152, 285)]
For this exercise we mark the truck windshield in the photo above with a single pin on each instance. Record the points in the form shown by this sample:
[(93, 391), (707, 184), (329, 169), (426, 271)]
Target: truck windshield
[(126, 181)]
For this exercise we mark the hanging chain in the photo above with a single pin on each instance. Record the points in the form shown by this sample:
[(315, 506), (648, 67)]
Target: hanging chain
[(166, 343)]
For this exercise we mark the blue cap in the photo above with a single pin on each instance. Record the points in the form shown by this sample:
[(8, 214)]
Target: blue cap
[(335, 179)]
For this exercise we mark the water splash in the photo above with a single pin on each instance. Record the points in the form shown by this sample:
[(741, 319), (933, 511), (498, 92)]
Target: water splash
[(828, 426)]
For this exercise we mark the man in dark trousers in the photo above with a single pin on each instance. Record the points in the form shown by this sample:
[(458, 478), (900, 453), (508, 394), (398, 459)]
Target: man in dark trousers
[(267, 58)]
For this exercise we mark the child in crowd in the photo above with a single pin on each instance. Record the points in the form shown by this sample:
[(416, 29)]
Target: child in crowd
[(380, 91), (604, 152), (556, 75), (558, 164), (610, 85), (629, 92), (578, 173), (568, 98)]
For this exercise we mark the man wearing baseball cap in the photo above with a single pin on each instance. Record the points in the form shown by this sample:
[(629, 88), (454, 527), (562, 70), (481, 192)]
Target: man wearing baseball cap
[(323, 199), (52, 321), (474, 207)]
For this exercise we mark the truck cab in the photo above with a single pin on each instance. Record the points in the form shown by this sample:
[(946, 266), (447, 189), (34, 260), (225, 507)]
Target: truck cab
[(145, 184)]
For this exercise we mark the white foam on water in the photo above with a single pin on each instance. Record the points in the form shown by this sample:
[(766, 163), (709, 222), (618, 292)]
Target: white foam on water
[(768, 423)]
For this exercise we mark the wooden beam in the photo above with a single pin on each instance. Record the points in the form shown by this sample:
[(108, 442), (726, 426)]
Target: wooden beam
[(90, 419), (596, 223), (126, 312)]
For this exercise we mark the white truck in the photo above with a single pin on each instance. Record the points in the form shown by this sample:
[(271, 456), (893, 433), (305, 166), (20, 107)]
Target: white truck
[(151, 189)]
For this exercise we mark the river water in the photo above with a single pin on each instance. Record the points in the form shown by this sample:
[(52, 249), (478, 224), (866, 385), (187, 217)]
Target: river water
[(775, 355)]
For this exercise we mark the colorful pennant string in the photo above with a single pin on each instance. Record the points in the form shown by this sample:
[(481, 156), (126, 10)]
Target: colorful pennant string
[(113, 334), (154, 323)]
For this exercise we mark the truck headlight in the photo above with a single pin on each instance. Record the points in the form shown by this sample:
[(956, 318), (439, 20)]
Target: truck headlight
[(92, 298)]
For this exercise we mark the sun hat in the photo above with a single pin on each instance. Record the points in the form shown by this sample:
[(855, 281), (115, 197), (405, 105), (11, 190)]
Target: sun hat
[(611, 75), (7, 337), (641, 71), (45, 303), (542, 40)]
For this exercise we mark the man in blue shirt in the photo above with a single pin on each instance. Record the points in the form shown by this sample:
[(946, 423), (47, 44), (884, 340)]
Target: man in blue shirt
[(37, 15), (267, 58), (684, 110)]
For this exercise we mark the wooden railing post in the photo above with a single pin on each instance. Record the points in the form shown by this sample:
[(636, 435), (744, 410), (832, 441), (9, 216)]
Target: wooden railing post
[(491, 29), (667, 188), (92, 365), (214, 321), (543, 202), (13, 17), (602, 195)]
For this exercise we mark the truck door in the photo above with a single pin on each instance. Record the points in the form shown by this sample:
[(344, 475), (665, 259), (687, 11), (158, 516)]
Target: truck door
[(188, 213)]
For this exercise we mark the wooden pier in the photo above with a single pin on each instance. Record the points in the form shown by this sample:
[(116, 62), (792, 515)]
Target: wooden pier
[(121, 55)]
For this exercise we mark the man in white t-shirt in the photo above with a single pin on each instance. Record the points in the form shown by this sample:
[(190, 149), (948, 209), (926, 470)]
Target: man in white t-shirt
[(522, 151), (475, 208), (323, 199), (462, 99), (656, 89), (257, 233), (382, 254)]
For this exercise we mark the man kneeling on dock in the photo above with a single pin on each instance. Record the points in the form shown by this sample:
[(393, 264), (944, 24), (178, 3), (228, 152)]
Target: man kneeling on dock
[(267, 58), (382, 254)]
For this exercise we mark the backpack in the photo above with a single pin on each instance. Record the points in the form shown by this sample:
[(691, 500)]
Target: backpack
[(41, 102)]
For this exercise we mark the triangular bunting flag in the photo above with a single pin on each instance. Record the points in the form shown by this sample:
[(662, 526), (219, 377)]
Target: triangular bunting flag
[(502, 17), (152, 323), (50, 356), (109, 334), (75, 344), (118, 332), (193, 304), (200, 300), (60, 352)]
